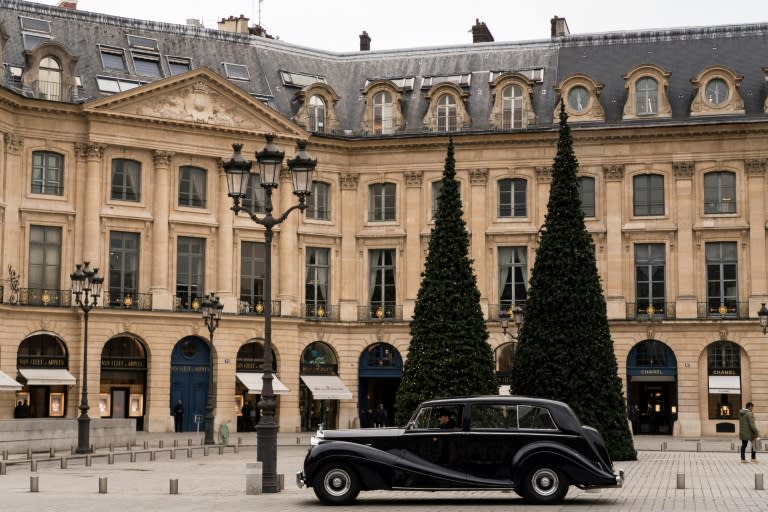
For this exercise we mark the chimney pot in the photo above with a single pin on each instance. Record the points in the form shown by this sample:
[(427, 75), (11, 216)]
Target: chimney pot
[(481, 33), (559, 27), (365, 42)]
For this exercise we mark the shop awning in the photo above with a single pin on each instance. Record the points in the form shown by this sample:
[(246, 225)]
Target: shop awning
[(253, 382), (41, 377), (326, 387), (725, 384), (8, 384)]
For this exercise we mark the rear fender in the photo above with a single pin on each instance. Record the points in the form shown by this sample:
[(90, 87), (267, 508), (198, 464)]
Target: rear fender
[(578, 469)]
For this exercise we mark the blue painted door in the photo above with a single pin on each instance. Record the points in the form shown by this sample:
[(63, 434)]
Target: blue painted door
[(190, 367)]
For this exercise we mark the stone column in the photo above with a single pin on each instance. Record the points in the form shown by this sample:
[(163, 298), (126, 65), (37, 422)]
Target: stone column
[(286, 258), (350, 216), (13, 192), (613, 280), (476, 211), (412, 223), (685, 261), (162, 296), (756, 171), (91, 240), (225, 249)]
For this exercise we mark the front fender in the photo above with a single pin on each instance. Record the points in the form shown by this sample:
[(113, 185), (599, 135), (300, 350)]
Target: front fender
[(580, 470)]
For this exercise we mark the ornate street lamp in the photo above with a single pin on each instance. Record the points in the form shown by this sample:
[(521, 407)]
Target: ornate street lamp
[(86, 285), (238, 169), (516, 314), (762, 314), (211, 308)]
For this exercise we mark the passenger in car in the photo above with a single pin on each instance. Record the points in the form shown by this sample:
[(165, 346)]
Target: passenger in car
[(446, 422)]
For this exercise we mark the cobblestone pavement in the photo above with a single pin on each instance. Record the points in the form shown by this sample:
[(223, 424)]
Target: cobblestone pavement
[(714, 480)]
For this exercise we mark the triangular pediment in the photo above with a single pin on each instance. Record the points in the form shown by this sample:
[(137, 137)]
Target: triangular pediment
[(200, 98)]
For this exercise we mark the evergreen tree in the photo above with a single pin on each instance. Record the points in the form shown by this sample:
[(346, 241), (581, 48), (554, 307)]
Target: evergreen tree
[(449, 354), (565, 351)]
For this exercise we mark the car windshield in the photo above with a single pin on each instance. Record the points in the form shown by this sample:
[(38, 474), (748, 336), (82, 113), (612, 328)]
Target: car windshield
[(444, 416)]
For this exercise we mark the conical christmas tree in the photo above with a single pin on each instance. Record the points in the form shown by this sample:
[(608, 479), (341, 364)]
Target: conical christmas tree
[(565, 351), (449, 353)]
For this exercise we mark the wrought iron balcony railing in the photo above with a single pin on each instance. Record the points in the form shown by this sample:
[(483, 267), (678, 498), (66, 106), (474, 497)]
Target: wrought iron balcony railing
[(729, 310), (52, 91), (493, 309), (661, 310), (321, 312), (131, 300), (44, 297), (257, 308), (380, 312)]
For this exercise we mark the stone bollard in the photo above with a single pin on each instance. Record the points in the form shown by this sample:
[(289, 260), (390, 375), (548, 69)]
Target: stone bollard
[(133, 456), (205, 451), (33, 466), (3, 470), (128, 446), (88, 461), (102, 485), (698, 446), (173, 454), (29, 453), (189, 442), (298, 440), (175, 443), (52, 452), (63, 463), (174, 486), (221, 450), (237, 445), (34, 484), (189, 453), (146, 444), (733, 446), (280, 482), (110, 458), (253, 478), (152, 456), (5, 454), (160, 443), (681, 480), (111, 447), (758, 481)]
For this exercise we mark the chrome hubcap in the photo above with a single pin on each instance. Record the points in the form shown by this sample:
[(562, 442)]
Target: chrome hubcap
[(337, 482), (545, 482)]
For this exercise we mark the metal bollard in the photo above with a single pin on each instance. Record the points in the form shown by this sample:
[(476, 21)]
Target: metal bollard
[(175, 443), (173, 454), (758, 481), (662, 447), (111, 458), (160, 443), (63, 463), (174, 486), (128, 446), (29, 453), (111, 447), (733, 446), (33, 466), (298, 440), (5, 454), (102, 485), (681, 480), (88, 461), (665, 446), (133, 456), (189, 453), (152, 456), (52, 452), (34, 484), (205, 451), (189, 442), (237, 445), (698, 446), (146, 444), (2, 468), (221, 449)]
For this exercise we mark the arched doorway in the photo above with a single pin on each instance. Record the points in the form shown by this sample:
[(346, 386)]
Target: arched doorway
[(249, 373), (380, 371), (320, 388), (724, 384), (123, 379), (43, 362), (652, 388), (190, 364), (504, 357)]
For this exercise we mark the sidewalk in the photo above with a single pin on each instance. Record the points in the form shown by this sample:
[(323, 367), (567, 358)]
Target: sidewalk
[(714, 480)]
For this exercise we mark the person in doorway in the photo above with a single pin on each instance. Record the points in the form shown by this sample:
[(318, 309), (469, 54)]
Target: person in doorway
[(245, 423), (634, 417), (18, 411), (748, 432), (380, 416), (178, 415)]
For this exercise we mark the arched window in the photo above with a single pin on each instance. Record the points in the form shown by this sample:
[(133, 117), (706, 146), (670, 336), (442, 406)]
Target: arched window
[(317, 114), (49, 79), (446, 113), (647, 96), (724, 379), (250, 358), (382, 113), (512, 107), (319, 353), (381, 355)]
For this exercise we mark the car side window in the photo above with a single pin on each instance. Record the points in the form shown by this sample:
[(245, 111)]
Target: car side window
[(444, 417), (494, 416), (532, 417)]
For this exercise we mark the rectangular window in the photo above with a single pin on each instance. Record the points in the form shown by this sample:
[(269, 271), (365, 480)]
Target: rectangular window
[(252, 274), (587, 195), (123, 266), (47, 173), (190, 271), (255, 199), (113, 59), (317, 203), (147, 65), (648, 194), (44, 273), (192, 184), (381, 202), (179, 65), (513, 278), (236, 71), (381, 283), (512, 198), (145, 43), (720, 192), (126, 180), (316, 285), (650, 278), (722, 278)]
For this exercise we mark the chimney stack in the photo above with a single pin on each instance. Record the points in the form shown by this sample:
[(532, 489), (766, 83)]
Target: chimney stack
[(235, 25), (559, 27), (67, 4), (481, 33), (365, 42)]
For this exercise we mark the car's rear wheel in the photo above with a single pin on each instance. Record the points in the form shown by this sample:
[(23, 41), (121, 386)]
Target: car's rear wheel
[(336, 484), (544, 485)]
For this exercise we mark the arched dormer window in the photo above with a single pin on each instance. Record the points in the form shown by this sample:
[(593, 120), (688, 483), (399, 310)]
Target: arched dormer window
[(581, 95), (316, 111), (50, 71), (446, 111), (49, 79), (383, 115), (647, 93), (717, 92), (512, 107)]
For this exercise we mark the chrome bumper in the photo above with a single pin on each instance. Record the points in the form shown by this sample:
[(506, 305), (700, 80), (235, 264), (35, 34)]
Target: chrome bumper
[(300, 479)]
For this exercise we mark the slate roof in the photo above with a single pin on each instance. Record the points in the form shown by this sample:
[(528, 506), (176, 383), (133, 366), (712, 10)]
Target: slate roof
[(604, 57)]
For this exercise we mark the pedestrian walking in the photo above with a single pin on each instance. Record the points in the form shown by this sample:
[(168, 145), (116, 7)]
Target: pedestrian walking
[(178, 415), (748, 432), (380, 416)]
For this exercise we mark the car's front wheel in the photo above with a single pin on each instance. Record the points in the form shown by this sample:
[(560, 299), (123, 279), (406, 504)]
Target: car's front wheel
[(544, 485), (336, 484)]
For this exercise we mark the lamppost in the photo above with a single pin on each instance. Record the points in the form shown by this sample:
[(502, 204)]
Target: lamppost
[(762, 314), (211, 308), (238, 171), (516, 314), (86, 285)]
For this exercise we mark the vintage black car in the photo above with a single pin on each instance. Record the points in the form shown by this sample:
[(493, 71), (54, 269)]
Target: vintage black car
[(535, 447)]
